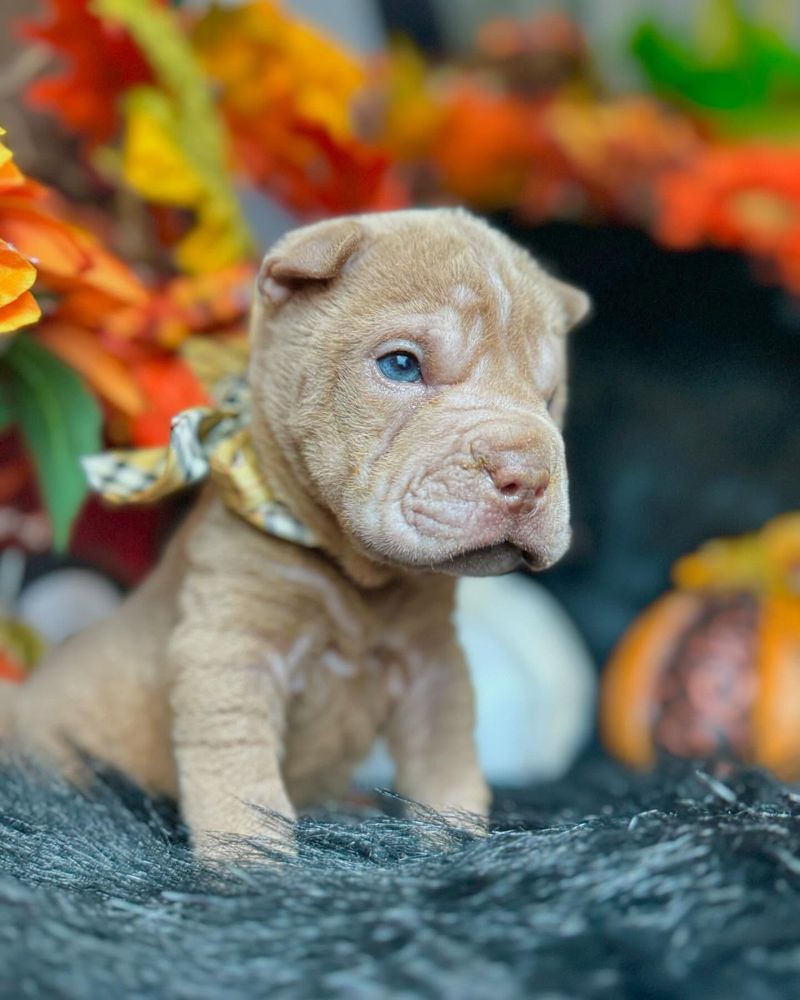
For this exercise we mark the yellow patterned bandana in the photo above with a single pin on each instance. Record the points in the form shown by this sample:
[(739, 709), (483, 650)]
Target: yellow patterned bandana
[(205, 442)]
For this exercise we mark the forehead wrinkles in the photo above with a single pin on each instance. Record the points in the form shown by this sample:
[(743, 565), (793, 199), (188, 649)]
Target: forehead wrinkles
[(484, 285), (529, 342), (482, 296), (488, 311), (500, 295), (469, 308)]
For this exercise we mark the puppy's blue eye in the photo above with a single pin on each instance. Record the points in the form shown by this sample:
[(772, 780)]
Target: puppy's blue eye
[(401, 366)]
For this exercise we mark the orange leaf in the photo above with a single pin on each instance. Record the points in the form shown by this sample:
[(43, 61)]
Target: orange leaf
[(170, 386), (11, 178), (100, 63), (107, 273), (87, 308), (64, 254), (49, 242), (107, 375), (16, 274), (486, 145), (21, 312)]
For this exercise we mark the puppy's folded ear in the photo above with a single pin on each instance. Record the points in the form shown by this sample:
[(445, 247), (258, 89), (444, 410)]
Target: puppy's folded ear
[(577, 304), (314, 253)]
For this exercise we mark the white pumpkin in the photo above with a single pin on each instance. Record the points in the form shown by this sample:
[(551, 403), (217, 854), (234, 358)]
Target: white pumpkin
[(534, 682)]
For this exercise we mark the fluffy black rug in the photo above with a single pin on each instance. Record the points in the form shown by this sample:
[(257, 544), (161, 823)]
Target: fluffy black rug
[(680, 885)]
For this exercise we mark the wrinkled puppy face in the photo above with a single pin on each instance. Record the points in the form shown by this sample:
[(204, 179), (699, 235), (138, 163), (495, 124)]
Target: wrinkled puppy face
[(411, 366)]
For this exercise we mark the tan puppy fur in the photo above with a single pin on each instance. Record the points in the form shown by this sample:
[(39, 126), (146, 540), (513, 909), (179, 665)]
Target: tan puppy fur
[(248, 670)]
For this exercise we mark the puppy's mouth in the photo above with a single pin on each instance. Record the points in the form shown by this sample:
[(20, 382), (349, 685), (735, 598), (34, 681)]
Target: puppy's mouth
[(490, 560)]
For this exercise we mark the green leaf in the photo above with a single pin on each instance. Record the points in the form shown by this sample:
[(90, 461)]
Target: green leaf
[(60, 422), (736, 70)]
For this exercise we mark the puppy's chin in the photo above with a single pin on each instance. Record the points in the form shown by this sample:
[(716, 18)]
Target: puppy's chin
[(504, 556), (487, 560), (493, 560)]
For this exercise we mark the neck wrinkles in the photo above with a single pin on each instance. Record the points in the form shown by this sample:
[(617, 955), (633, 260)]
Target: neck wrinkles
[(284, 486)]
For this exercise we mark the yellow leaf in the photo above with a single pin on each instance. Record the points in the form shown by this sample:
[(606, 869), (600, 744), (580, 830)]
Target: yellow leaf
[(215, 242), (153, 163), (176, 147), (5, 152)]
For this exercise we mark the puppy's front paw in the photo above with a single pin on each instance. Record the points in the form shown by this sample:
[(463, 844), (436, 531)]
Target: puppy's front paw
[(465, 807), (244, 833), (476, 824), (215, 849)]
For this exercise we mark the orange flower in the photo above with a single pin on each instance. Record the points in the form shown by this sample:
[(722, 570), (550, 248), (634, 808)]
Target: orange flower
[(311, 173), (189, 305), (95, 290), (286, 93), (142, 385), (123, 349), (746, 197), (402, 106), (264, 59), (166, 316), (102, 63), (17, 306), (487, 145), (71, 261), (614, 150), (65, 256)]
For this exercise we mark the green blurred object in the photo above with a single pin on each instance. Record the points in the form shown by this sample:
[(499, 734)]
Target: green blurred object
[(59, 421), (739, 73)]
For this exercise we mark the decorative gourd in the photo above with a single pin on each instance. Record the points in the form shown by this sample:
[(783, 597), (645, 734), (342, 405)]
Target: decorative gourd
[(713, 667)]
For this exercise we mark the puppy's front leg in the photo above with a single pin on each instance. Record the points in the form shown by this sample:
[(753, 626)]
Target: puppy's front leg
[(430, 737), (229, 707)]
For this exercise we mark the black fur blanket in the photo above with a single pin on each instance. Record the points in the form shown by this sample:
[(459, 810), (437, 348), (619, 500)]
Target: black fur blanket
[(675, 886)]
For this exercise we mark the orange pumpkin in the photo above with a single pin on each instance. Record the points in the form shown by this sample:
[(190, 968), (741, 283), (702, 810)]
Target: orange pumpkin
[(713, 667)]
